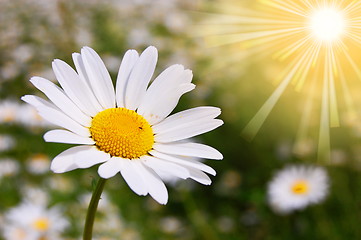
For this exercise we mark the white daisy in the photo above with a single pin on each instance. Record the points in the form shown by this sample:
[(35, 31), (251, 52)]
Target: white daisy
[(28, 116), (8, 111), (7, 142), (295, 187), (128, 130), (8, 167), (38, 164), (31, 221)]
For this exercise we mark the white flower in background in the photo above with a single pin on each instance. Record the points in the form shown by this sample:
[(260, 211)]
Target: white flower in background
[(8, 167), (139, 36), (61, 183), (128, 130), (35, 195), (9, 71), (296, 187), (38, 164), (28, 116), (8, 111), (7, 142), (17, 233), (14, 112), (31, 221)]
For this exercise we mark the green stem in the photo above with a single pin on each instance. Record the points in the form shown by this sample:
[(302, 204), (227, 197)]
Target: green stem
[(93, 205)]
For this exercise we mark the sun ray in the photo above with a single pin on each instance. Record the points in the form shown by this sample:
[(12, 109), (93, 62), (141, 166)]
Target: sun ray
[(257, 121), (318, 42)]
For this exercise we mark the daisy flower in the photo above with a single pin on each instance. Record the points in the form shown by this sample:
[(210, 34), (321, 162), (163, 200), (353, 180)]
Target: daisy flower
[(31, 221), (38, 164), (127, 129), (296, 187), (8, 167), (8, 111)]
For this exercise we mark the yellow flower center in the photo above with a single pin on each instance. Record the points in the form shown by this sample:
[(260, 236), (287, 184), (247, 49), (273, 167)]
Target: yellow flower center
[(122, 133), (41, 224), (300, 187)]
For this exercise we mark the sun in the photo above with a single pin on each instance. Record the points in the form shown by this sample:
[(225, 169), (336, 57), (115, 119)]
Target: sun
[(318, 45), (327, 24)]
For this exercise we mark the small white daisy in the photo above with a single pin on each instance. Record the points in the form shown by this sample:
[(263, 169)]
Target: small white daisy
[(31, 221), (128, 130), (8, 167), (7, 142), (296, 187), (8, 111), (28, 116), (38, 164)]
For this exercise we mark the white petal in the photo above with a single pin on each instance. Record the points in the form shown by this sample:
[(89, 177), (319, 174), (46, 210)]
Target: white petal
[(173, 75), (128, 62), (50, 113), (99, 77), (63, 136), (186, 116), (74, 87), (199, 176), (89, 156), (139, 78), (133, 177), (163, 94), (65, 161), (110, 168), (58, 118), (189, 149), (165, 166), (170, 77), (58, 97), (87, 91), (36, 101), (154, 183), (184, 162), (164, 104), (188, 130)]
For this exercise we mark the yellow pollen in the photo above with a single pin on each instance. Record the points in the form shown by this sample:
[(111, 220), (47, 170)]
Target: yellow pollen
[(41, 224), (122, 133), (300, 187)]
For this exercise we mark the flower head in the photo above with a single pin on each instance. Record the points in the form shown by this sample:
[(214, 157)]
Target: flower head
[(296, 187), (128, 129), (31, 221)]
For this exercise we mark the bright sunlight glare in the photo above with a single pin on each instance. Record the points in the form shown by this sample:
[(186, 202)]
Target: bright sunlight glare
[(319, 43), (327, 24)]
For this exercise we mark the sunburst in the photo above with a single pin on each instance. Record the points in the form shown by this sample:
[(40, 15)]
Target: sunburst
[(320, 41)]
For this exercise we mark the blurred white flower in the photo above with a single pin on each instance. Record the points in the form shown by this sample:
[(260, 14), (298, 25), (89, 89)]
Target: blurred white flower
[(19, 113), (38, 164), (171, 224), (176, 22), (30, 221), (28, 116), (8, 71), (6, 142), (8, 167), (17, 233), (112, 63), (139, 36), (104, 203), (36, 195), (61, 183), (296, 187), (8, 111), (23, 53)]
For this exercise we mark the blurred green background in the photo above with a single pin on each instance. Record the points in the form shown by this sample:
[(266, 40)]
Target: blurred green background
[(33, 33)]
